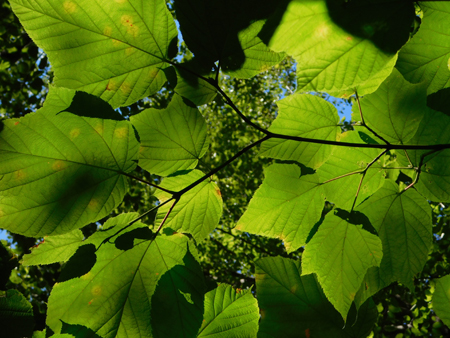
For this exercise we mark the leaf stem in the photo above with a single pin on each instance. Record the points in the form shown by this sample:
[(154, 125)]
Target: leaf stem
[(419, 169), (166, 216), (149, 183), (220, 167), (364, 122)]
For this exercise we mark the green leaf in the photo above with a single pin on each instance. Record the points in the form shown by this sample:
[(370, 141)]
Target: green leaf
[(340, 254), (441, 299), (61, 171), (114, 50), (403, 223), (286, 206), (342, 173), (197, 212), (54, 249), (396, 109), (305, 116), (172, 139), (293, 305), (137, 277), (340, 46), (434, 179), (425, 58), (229, 314), (192, 87), (16, 315), (227, 31)]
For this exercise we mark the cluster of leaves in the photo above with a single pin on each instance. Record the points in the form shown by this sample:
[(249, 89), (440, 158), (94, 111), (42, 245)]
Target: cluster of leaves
[(68, 165)]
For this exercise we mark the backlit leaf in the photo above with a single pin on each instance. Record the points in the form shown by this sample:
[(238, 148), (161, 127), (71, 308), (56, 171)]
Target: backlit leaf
[(61, 170), (137, 278), (172, 139), (395, 110), (305, 116), (425, 58), (286, 206), (403, 223), (340, 46), (113, 49), (54, 249), (342, 173), (340, 254), (229, 314), (197, 212)]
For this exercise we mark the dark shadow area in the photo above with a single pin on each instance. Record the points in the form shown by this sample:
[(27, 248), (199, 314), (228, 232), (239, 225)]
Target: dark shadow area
[(356, 218), (439, 101), (78, 331), (79, 264), (2, 125), (183, 288), (126, 241), (386, 24), (366, 138), (88, 105), (210, 28)]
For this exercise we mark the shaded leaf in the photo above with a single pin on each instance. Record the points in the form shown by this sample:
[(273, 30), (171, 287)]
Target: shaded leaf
[(197, 212), (285, 206), (441, 299), (16, 315), (114, 50), (340, 254), (425, 58), (53, 178), (172, 139), (293, 305), (227, 31), (305, 116)]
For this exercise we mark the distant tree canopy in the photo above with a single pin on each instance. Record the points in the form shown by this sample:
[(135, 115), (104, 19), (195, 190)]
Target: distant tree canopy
[(208, 186)]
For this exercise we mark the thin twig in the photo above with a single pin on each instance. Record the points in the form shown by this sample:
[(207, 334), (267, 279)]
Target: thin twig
[(165, 217), (419, 169), (223, 165), (364, 123), (149, 183)]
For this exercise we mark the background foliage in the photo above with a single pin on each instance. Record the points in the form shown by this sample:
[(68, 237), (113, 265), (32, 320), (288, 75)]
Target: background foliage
[(228, 255)]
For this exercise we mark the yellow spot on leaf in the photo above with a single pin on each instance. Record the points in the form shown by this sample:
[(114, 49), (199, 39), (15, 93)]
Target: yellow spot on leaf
[(99, 128), (129, 51), (153, 73), (121, 132), (74, 133), (16, 123), (93, 204), (20, 175), (86, 276), (121, 1), (112, 85), (70, 7), (448, 64), (96, 290), (127, 21), (107, 31), (294, 288), (116, 43), (2, 213), (125, 88), (323, 31), (59, 165)]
